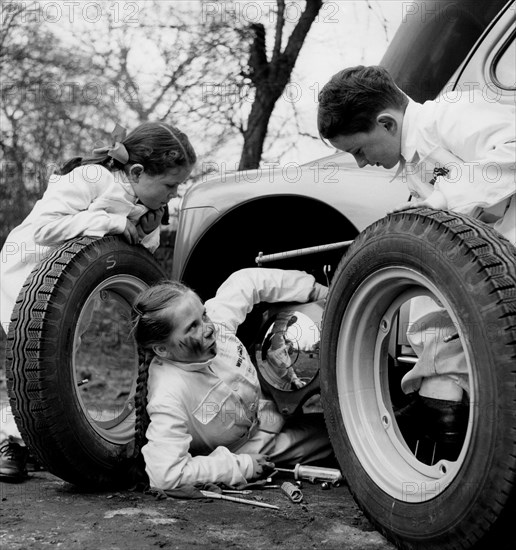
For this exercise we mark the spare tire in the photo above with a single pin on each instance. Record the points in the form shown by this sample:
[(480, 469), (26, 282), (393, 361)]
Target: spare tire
[(71, 362), (464, 265)]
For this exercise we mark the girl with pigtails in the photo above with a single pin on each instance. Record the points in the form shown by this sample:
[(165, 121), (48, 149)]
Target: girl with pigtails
[(123, 189), (208, 421)]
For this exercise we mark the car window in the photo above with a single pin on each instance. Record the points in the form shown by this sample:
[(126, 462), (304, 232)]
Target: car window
[(503, 71), (432, 41)]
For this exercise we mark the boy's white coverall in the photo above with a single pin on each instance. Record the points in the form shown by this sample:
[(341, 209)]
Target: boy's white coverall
[(474, 137), (206, 418), (89, 200)]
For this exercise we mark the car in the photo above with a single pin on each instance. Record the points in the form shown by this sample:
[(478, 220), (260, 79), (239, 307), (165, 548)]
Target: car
[(73, 372), (306, 217)]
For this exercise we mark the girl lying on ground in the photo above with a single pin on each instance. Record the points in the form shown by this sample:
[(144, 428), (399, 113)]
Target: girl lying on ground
[(209, 422)]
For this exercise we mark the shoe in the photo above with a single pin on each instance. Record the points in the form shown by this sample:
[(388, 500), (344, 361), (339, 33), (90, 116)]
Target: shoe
[(434, 429), (13, 461), (447, 422)]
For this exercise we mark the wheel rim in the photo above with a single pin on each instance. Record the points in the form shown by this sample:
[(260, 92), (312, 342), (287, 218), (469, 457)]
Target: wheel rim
[(105, 359), (363, 390)]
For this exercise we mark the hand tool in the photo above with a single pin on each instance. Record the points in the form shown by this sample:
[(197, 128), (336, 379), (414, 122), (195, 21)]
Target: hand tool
[(211, 494), (315, 473), (292, 491)]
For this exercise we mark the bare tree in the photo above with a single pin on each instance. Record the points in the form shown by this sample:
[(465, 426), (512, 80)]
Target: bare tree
[(270, 77), (45, 115)]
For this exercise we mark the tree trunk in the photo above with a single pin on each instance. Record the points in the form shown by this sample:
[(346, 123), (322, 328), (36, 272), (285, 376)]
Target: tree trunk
[(270, 77), (254, 136)]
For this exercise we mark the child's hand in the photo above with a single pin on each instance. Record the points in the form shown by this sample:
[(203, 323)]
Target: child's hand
[(297, 383), (436, 200), (261, 465), (150, 220), (130, 233), (405, 206)]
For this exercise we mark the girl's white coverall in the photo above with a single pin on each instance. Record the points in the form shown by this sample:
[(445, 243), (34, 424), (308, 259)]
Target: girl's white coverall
[(90, 200), (207, 417)]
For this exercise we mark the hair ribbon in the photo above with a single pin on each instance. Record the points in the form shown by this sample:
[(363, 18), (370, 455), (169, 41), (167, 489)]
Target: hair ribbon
[(116, 151)]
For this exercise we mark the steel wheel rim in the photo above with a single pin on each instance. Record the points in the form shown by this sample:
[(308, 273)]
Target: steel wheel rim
[(362, 388), (119, 429)]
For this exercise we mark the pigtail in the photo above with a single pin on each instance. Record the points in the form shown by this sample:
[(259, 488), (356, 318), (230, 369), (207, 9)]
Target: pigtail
[(102, 159), (142, 417), (70, 165), (138, 476)]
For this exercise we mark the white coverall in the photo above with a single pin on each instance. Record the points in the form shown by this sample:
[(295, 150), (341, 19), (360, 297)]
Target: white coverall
[(205, 418), (475, 139), (89, 200)]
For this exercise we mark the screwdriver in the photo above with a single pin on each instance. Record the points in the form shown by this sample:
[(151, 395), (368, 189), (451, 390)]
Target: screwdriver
[(212, 494), (314, 473)]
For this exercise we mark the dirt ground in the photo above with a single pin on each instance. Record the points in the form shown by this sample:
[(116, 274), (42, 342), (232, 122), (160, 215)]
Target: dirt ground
[(46, 512)]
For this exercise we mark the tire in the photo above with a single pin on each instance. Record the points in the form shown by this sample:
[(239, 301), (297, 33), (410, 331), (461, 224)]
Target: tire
[(452, 504), (71, 362)]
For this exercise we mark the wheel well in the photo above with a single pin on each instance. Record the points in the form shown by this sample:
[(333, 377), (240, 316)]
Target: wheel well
[(268, 225)]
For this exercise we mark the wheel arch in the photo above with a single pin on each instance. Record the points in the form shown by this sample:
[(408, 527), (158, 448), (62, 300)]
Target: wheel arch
[(268, 224)]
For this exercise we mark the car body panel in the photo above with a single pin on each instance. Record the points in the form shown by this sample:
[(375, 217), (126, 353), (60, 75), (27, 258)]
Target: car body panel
[(363, 196), (477, 72), (434, 40)]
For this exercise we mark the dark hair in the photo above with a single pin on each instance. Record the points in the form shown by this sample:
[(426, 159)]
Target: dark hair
[(149, 327), (157, 146), (351, 100)]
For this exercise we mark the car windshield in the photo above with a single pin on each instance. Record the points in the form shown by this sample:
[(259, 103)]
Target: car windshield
[(432, 41)]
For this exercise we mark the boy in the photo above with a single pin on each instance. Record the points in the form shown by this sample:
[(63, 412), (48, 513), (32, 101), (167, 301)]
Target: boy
[(458, 156)]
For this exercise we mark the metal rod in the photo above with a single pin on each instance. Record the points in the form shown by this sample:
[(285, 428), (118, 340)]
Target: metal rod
[(211, 494), (264, 258)]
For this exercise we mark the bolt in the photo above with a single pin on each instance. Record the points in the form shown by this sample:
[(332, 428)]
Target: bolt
[(384, 325)]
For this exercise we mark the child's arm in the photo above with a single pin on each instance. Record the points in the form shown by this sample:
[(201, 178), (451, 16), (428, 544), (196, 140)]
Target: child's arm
[(169, 463), (64, 211), (242, 290)]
